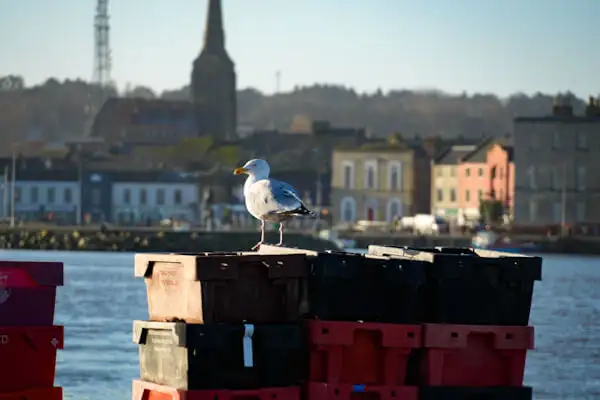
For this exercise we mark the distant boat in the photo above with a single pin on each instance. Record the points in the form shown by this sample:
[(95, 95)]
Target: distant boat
[(489, 240)]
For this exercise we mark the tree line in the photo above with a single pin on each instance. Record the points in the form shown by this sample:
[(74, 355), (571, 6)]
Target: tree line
[(55, 110)]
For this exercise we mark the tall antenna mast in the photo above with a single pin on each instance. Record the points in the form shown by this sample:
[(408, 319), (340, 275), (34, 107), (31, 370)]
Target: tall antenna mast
[(102, 64), (102, 53)]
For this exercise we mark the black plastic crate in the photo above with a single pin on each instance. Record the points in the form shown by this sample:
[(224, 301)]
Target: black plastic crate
[(218, 356), (470, 393), (355, 287), (473, 287)]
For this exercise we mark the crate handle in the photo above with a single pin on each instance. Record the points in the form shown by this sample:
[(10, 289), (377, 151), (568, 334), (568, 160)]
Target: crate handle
[(247, 345)]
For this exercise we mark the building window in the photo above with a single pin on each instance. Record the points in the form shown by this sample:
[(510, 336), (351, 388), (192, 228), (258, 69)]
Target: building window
[(533, 211), (581, 178), (480, 172), (557, 212), (127, 196), (18, 194), (394, 209), (51, 195), (68, 196), (467, 196), (580, 211), (395, 170), (348, 209), (480, 194), (370, 178), (555, 185), (468, 172), (534, 141), (453, 195), (531, 177), (440, 195), (160, 197), (348, 175), (177, 197), (556, 142), (34, 195), (582, 142), (370, 175), (143, 197)]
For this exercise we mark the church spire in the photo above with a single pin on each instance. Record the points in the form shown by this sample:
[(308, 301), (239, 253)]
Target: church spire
[(214, 35)]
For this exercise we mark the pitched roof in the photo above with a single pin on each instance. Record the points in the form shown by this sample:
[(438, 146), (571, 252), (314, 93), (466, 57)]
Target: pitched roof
[(454, 154), (479, 154), (119, 113)]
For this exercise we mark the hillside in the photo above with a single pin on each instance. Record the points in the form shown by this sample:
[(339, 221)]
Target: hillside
[(55, 110)]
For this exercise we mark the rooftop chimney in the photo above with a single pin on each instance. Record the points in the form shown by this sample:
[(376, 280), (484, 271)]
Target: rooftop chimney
[(562, 107), (593, 108)]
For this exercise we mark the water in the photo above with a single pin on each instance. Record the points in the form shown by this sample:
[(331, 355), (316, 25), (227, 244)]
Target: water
[(101, 298)]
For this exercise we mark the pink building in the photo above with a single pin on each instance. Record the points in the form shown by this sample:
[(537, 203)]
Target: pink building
[(473, 180), (502, 174), (486, 173)]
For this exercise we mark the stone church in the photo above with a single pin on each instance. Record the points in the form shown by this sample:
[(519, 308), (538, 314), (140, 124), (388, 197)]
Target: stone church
[(211, 111), (213, 83)]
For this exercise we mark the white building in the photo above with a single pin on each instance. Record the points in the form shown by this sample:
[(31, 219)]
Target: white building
[(135, 202), (39, 200)]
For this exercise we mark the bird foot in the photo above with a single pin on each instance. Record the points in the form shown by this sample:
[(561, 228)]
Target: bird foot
[(279, 244), (257, 245)]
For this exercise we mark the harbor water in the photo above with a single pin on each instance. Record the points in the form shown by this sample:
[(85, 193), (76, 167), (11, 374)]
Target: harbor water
[(101, 298)]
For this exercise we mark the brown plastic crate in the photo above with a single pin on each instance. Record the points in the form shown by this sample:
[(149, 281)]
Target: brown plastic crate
[(224, 287)]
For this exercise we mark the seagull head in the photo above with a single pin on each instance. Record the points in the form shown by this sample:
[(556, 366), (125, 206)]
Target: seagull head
[(257, 168)]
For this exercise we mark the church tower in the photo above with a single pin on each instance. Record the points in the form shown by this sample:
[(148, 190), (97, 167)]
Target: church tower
[(213, 86)]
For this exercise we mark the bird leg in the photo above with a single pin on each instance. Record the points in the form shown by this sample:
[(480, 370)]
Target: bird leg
[(280, 234), (262, 235)]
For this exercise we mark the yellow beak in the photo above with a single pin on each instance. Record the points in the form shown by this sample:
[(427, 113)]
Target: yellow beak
[(240, 170)]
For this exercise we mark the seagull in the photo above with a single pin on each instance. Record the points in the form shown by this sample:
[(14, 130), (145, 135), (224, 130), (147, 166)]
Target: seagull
[(270, 200)]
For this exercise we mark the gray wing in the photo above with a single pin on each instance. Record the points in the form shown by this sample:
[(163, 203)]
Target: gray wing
[(285, 195)]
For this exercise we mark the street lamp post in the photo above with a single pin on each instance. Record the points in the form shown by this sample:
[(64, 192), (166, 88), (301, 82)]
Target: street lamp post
[(13, 177), (79, 205)]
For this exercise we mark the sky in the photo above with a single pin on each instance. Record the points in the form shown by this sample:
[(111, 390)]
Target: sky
[(484, 46)]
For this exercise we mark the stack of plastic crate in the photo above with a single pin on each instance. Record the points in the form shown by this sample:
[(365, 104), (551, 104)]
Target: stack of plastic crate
[(279, 323), (29, 340), (361, 324), (222, 326), (475, 314)]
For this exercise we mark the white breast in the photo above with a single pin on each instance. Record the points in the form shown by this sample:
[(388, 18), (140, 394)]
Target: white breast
[(250, 199)]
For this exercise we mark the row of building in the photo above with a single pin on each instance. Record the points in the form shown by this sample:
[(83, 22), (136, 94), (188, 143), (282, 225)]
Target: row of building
[(540, 175)]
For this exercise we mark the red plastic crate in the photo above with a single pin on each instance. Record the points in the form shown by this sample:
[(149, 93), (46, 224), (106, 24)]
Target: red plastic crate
[(55, 393), (150, 391), (360, 353), (28, 356), (474, 355), (28, 292), (327, 391)]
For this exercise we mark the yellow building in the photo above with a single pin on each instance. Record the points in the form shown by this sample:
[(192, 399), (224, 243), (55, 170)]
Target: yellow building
[(444, 180), (379, 181)]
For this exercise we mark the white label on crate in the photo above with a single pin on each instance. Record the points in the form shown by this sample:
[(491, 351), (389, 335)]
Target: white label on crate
[(4, 289), (247, 345), (4, 339)]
